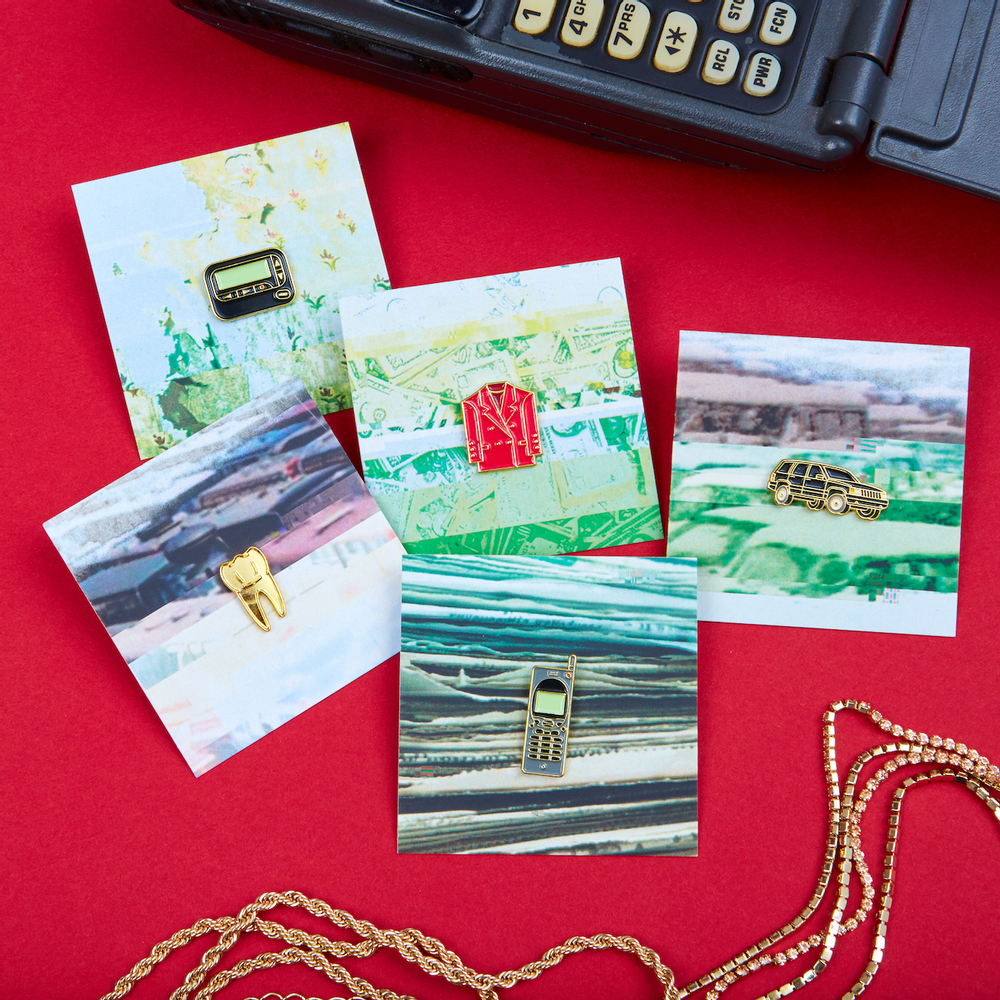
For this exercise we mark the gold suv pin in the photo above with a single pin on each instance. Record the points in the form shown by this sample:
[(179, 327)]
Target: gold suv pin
[(248, 576)]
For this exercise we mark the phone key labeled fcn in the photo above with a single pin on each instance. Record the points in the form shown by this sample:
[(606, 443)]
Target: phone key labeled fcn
[(582, 20), (778, 25), (629, 30), (534, 16)]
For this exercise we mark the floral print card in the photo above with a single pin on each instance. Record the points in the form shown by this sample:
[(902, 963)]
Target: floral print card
[(441, 377), (151, 234)]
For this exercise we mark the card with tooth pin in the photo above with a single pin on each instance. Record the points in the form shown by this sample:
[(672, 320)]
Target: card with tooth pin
[(255, 576), (249, 577)]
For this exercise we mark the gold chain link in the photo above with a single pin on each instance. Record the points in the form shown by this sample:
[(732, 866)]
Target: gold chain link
[(312, 950), (967, 768)]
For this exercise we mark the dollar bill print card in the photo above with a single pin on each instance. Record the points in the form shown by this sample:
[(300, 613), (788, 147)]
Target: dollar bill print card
[(819, 482), (476, 631), (244, 575), (220, 276), (504, 414)]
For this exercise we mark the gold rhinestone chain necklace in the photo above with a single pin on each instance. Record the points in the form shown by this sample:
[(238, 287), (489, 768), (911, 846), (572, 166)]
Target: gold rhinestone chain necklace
[(959, 764)]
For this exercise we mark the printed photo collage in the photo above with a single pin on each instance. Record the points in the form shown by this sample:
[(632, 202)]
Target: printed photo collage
[(548, 697)]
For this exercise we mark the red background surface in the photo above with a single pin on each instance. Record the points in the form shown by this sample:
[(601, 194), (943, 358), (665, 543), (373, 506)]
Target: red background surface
[(107, 842)]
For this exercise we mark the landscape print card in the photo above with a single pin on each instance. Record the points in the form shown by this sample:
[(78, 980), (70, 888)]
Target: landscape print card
[(560, 333), (472, 629), (147, 550), (151, 233), (819, 482)]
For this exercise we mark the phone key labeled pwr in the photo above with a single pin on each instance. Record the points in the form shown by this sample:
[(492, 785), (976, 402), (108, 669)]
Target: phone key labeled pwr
[(629, 30), (676, 44), (763, 75), (534, 16), (582, 20)]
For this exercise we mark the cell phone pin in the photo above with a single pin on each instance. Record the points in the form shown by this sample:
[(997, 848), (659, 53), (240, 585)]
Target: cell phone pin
[(546, 731)]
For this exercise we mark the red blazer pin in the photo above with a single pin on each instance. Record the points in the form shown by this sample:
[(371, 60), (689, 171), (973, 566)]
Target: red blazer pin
[(501, 427)]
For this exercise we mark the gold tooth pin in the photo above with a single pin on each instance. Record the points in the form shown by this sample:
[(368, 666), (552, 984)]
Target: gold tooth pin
[(248, 576)]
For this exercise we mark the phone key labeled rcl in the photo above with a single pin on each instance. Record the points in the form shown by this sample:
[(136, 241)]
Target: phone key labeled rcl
[(581, 22), (629, 30), (763, 75), (721, 61), (534, 16), (778, 25), (676, 44), (736, 16)]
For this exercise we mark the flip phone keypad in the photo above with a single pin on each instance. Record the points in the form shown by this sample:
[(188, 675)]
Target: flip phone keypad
[(741, 53)]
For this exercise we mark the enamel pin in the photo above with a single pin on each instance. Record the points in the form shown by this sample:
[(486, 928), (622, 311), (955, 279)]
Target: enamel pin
[(249, 577), (826, 486), (501, 427), (249, 284), (550, 697)]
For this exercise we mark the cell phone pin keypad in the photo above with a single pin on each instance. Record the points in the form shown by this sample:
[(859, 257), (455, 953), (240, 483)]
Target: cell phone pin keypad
[(741, 53)]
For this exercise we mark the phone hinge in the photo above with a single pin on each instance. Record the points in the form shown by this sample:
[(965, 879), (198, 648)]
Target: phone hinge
[(853, 98), (858, 83)]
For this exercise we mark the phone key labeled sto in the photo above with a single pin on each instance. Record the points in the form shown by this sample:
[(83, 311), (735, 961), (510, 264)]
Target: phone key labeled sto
[(736, 15)]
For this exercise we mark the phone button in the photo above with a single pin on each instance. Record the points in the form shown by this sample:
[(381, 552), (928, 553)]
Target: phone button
[(778, 25), (676, 44), (629, 30), (721, 61), (763, 75), (581, 22), (534, 16), (736, 16)]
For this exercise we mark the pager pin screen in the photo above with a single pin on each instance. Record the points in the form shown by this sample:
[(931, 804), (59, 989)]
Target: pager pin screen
[(242, 274), (550, 702)]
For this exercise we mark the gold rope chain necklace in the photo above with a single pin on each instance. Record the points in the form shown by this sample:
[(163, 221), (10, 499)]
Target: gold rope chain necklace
[(965, 767)]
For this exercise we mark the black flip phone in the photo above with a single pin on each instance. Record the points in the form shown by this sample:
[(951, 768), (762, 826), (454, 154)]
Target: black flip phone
[(743, 83)]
